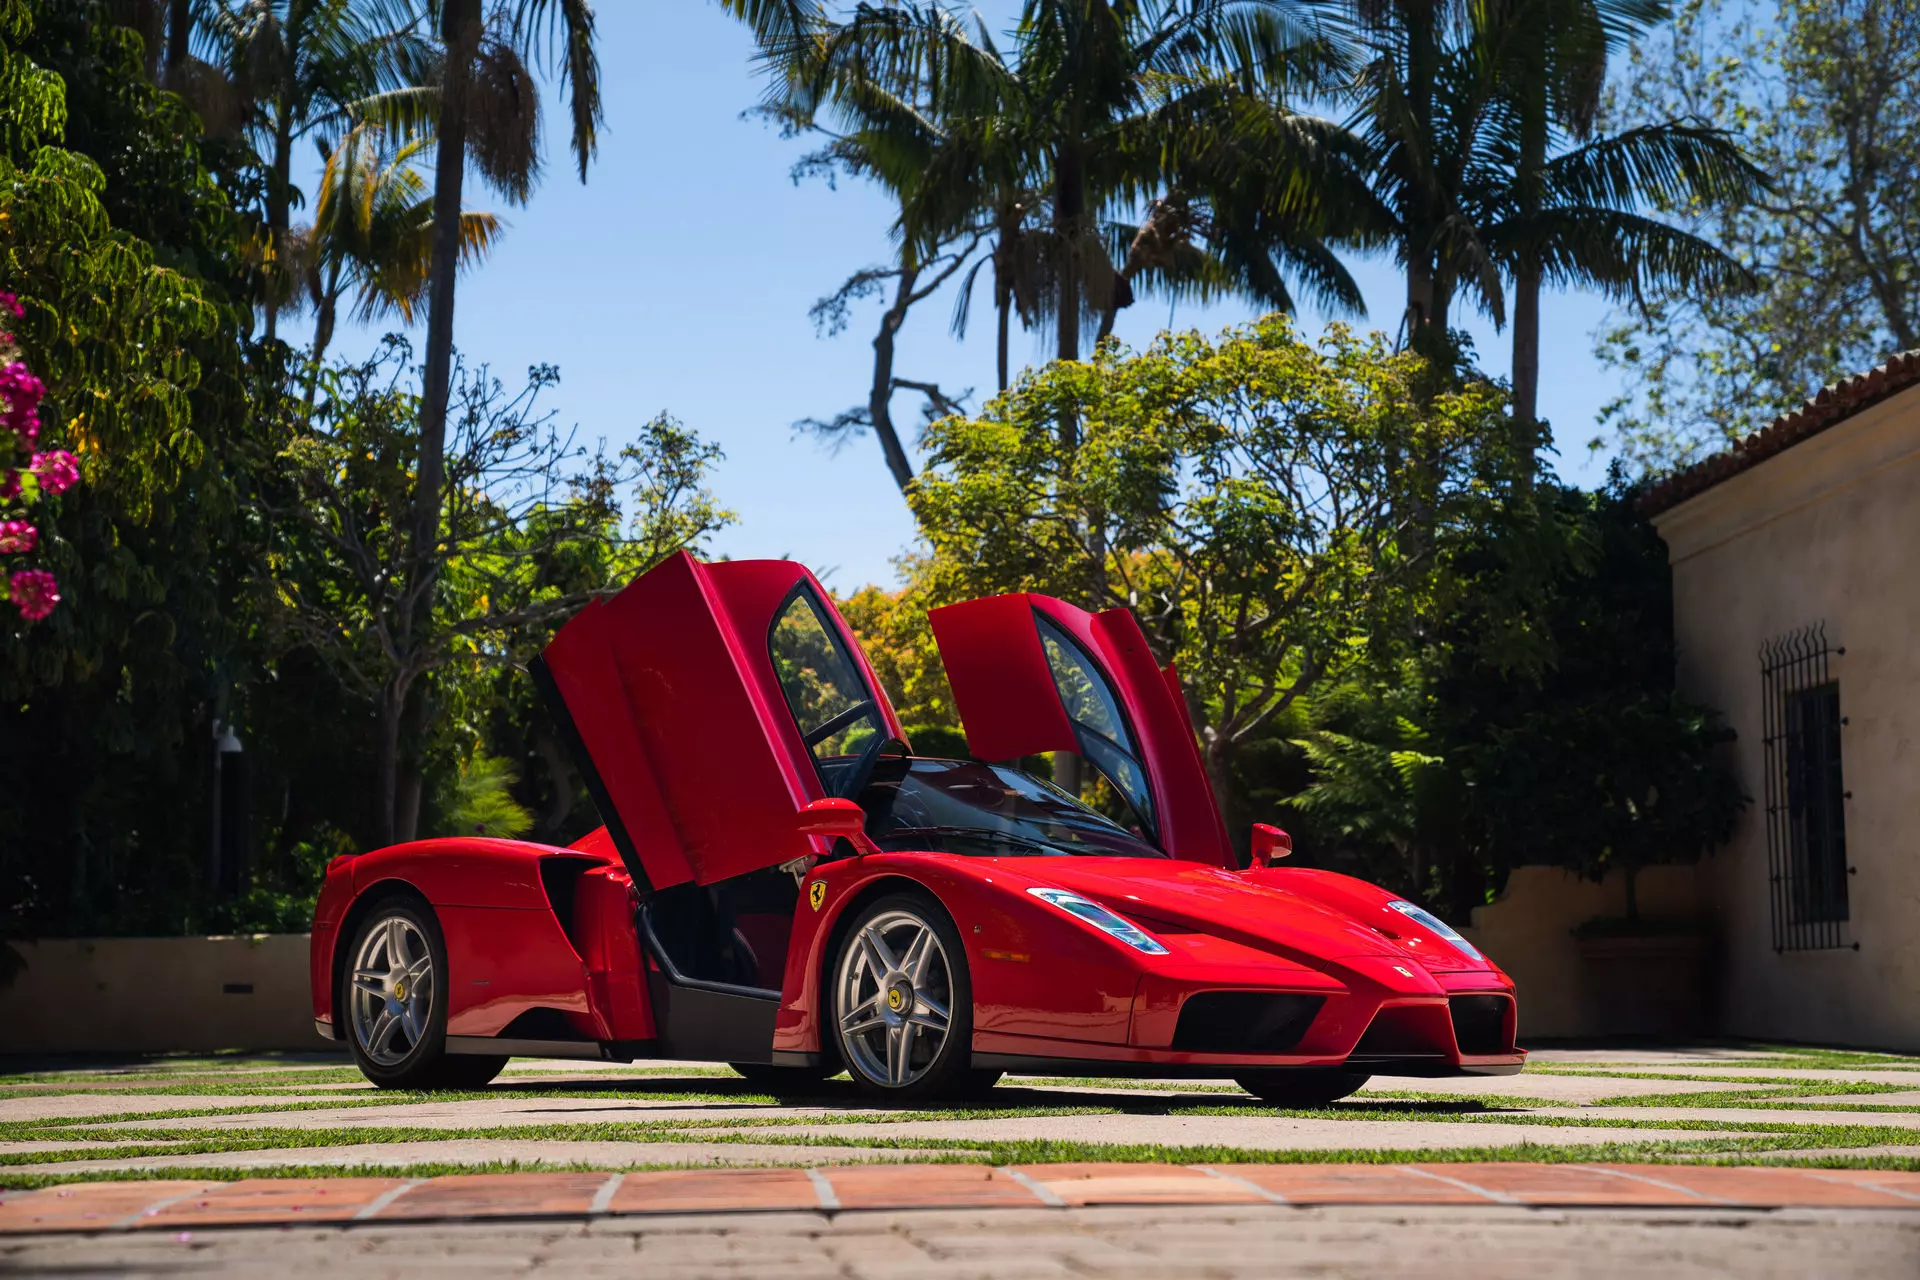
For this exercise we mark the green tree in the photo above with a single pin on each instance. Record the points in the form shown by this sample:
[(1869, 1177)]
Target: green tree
[(1538, 724), (1822, 96), (124, 249), (1248, 492), (530, 528)]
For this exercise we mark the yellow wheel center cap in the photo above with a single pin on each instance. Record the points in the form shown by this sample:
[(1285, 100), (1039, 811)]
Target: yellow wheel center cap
[(399, 991), (893, 999)]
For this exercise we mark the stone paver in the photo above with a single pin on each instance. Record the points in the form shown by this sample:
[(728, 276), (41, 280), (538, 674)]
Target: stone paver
[(1250, 1132), (487, 1113), (64, 1105), (482, 1151), (1572, 1090)]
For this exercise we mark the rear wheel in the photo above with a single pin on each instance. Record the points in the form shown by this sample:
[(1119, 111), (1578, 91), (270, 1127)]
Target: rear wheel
[(396, 1010), (1310, 1087), (902, 1002)]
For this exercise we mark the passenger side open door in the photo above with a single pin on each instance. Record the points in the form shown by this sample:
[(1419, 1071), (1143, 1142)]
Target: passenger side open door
[(1031, 674)]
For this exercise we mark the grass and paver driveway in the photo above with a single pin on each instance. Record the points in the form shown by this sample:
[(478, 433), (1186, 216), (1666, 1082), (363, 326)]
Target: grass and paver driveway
[(169, 1148)]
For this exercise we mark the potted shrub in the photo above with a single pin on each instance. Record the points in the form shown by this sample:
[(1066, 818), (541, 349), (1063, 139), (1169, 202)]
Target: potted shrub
[(1659, 794)]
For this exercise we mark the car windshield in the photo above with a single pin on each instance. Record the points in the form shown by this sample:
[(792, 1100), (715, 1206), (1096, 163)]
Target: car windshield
[(987, 810)]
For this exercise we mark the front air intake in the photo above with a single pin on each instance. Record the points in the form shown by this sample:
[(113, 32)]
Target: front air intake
[(1244, 1022), (1480, 1023)]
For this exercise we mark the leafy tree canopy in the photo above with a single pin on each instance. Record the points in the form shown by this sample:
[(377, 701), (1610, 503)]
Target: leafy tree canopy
[(1821, 94), (1275, 511)]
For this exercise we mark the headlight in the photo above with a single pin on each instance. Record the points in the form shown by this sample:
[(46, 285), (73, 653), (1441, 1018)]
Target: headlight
[(1102, 919), (1437, 925)]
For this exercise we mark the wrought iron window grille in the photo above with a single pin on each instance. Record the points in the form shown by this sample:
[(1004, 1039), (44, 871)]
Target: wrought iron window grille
[(1806, 792)]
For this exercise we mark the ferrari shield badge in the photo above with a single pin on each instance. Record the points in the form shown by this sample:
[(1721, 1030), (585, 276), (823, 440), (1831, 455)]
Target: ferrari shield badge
[(817, 894)]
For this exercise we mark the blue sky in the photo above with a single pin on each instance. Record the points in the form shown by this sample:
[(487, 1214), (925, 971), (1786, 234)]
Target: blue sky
[(680, 275)]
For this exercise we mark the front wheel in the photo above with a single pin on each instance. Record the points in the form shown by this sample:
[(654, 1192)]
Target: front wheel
[(903, 1002), (1301, 1088), (396, 1006)]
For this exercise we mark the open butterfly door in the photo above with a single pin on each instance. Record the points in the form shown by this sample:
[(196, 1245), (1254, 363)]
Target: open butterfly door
[(1031, 674), (708, 703)]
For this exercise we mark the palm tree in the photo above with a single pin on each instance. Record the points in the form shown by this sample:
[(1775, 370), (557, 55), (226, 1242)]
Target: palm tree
[(372, 232), (306, 67), (1095, 105), (1470, 110), (1572, 217), (487, 114)]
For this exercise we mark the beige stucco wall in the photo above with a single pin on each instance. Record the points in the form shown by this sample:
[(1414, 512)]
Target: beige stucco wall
[(154, 994), (1529, 933), (1828, 531)]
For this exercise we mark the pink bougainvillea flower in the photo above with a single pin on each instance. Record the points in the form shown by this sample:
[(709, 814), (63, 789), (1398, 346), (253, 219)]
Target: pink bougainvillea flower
[(17, 537), (34, 593), (58, 470), (22, 392), (12, 304)]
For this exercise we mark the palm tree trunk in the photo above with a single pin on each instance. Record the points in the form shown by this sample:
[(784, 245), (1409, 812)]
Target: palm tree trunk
[(1004, 305), (179, 32), (279, 209), (460, 30), (1534, 129), (1526, 369), (1068, 201)]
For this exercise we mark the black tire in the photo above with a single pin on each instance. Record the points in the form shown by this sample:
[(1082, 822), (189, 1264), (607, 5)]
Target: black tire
[(425, 1064), (948, 1073), (782, 1081), (1302, 1088)]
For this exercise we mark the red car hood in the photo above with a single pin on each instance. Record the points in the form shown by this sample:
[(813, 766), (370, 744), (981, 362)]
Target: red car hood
[(1175, 896)]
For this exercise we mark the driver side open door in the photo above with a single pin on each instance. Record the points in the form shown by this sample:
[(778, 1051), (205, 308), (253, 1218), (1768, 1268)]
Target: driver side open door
[(708, 704), (1031, 674)]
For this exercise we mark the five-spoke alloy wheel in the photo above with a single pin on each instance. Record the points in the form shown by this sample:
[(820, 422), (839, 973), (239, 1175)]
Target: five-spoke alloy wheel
[(395, 1007), (902, 1003), (392, 990)]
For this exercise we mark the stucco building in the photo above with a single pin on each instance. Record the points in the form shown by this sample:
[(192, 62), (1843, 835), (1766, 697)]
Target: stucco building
[(1796, 582)]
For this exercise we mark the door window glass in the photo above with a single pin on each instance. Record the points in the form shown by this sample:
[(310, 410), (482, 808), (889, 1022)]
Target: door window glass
[(829, 700), (1097, 722)]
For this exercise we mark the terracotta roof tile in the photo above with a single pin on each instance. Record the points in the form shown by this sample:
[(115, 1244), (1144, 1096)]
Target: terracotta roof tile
[(1833, 404)]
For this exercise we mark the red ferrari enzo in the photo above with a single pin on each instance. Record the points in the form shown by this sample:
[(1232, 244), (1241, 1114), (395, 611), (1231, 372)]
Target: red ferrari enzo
[(783, 885)]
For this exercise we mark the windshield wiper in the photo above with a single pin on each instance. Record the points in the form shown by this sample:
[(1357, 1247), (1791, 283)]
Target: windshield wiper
[(971, 833)]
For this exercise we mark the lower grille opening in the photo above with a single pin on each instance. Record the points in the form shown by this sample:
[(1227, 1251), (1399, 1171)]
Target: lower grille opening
[(1404, 1032), (1480, 1023), (1244, 1022)]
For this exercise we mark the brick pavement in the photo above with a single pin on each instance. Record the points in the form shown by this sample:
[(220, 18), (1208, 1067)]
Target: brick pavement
[(197, 1205)]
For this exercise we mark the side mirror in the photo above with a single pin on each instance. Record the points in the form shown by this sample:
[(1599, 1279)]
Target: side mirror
[(836, 818), (1269, 843)]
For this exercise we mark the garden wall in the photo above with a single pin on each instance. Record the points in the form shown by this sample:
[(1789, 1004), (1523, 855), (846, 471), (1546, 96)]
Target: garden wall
[(1529, 933), (142, 995), (137, 995)]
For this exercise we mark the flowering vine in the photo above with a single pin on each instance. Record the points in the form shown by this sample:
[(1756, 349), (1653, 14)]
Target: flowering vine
[(26, 473)]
